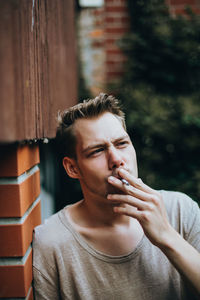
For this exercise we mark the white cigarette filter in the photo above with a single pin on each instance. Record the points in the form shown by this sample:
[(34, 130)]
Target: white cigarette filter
[(124, 181)]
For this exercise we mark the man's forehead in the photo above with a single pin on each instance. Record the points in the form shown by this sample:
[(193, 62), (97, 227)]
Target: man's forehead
[(98, 123), (97, 130)]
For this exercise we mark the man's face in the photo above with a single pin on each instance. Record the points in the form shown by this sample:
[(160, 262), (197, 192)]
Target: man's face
[(103, 146)]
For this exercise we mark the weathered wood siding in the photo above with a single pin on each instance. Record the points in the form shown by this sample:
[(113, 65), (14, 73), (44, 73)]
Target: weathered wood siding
[(37, 66)]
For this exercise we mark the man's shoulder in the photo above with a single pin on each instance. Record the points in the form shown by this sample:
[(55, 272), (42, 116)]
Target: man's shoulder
[(181, 209), (52, 232), (175, 198)]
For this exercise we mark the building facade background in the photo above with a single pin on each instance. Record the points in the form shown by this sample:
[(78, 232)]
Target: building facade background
[(38, 75)]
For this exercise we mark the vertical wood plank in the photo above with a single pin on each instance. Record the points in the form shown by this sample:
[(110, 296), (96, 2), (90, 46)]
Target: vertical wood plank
[(37, 66)]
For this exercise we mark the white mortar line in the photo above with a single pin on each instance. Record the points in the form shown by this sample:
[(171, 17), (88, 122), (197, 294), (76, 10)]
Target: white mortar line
[(20, 220), (15, 261), (21, 178)]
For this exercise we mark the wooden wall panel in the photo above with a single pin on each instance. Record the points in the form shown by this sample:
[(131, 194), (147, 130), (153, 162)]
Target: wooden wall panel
[(37, 66)]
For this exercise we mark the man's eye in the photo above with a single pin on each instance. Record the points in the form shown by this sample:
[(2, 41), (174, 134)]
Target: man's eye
[(96, 151), (122, 144)]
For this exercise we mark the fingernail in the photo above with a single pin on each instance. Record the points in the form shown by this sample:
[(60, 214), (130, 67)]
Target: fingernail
[(111, 179)]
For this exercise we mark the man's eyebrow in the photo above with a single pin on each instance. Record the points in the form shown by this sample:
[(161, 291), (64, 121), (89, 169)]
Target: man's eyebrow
[(121, 138), (102, 145)]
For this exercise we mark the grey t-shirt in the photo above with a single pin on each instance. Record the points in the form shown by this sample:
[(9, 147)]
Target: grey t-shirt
[(65, 266)]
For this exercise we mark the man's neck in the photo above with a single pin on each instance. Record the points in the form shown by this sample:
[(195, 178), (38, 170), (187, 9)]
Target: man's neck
[(101, 213), (103, 229), (96, 213)]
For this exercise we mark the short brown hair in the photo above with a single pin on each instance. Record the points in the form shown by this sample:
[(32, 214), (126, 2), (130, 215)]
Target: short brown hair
[(89, 108)]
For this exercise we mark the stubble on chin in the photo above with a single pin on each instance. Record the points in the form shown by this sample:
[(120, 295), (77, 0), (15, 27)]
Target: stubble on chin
[(112, 190)]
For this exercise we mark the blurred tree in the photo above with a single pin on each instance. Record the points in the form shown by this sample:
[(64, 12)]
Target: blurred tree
[(160, 92), (163, 51)]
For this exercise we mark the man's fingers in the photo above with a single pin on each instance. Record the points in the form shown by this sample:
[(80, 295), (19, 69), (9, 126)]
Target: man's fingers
[(131, 201), (136, 189), (136, 182), (128, 211), (135, 192)]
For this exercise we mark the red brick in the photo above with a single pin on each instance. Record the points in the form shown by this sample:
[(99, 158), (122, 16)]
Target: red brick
[(110, 64), (181, 11), (110, 41), (99, 23), (114, 51), (116, 9), (115, 66), (16, 159), (110, 19), (120, 30), (113, 75), (97, 43), (186, 2), (117, 19), (196, 10), (16, 279), (115, 59), (124, 26), (97, 12), (16, 198), (115, 3), (16, 238)]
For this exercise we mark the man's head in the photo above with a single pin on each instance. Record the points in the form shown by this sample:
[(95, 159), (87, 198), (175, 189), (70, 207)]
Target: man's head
[(89, 109), (95, 144)]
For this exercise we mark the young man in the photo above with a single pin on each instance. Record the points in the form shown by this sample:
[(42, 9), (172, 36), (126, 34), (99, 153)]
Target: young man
[(124, 240)]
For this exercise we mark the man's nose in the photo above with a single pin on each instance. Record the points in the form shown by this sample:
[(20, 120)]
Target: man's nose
[(114, 159)]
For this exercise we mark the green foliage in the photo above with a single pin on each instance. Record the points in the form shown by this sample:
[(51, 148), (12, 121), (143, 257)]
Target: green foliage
[(160, 94), (163, 51)]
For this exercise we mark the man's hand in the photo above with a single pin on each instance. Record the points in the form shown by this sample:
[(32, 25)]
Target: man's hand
[(144, 204)]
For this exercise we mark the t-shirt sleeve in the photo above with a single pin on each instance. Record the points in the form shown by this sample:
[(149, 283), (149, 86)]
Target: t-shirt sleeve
[(43, 288), (45, 278), (193, 226), (184, 216)]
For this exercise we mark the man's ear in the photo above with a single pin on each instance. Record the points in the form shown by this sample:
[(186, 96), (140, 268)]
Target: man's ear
[(71, 167)]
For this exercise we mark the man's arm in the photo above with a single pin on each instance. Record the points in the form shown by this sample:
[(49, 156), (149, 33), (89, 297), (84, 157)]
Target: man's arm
[(184, 257), (147, 206)]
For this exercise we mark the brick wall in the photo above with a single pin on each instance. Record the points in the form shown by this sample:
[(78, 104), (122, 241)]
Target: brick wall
[(116, 25), (19, 214), (91, 47), (177, 7), (101, 57), (99, 30)]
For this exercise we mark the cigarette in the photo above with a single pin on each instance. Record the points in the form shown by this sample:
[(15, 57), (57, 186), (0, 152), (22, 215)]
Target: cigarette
[(124, 181)]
